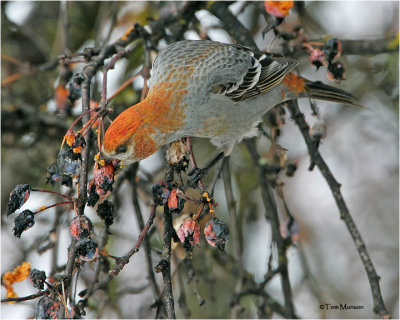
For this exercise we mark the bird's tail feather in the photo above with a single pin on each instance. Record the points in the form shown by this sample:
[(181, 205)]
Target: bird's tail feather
[(321, 91)]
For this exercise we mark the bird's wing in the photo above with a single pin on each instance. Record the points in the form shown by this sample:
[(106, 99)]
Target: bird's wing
[(232, 70), (254, 75)]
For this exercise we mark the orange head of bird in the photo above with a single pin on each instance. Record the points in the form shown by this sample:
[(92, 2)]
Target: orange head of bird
[(129, 137)]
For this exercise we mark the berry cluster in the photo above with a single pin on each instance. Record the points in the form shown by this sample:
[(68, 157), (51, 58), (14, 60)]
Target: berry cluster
[(216, 232), (324, 54)]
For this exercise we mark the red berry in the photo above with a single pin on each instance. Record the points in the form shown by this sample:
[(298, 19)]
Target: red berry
[(317, 58), (81, 227), (216, 233), (189, 234)]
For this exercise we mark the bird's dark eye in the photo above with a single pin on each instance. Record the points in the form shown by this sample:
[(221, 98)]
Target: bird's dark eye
[(121, 148)]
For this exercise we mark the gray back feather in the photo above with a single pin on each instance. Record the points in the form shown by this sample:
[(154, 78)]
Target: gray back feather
[(231, 70)]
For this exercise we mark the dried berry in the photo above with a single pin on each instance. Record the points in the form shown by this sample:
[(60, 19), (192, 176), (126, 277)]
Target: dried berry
[(333, 49), (276, 155), (93, 195), (105, 211), (75, 140), (104, 176), (18, 197), (23, 222), (80, 227), (65, 168), (175, 203), (165, 192), (37, 278), (336, 71), (161, 192), (68, 162), (317, 58), (216, 233), (103, 179), (47, 308), (56, 176), (189, 234), (87, 249)]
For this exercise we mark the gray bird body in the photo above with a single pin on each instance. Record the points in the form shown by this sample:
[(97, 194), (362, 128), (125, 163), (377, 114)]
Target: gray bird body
[(211, 90), (225, 90)]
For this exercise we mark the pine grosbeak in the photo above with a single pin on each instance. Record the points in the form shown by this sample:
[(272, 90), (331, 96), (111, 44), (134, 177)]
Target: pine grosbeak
[(211, 90)]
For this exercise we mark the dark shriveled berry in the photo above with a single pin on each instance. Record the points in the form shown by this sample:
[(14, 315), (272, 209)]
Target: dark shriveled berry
[(47, 308), (18, 197), (105, 211), (23, 222), (87, 249), (37, 278), (216, 233)]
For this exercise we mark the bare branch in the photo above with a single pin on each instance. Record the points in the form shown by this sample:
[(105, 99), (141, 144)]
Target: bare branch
[(26, 298), (272, 216), (122, 261), (373, 278)]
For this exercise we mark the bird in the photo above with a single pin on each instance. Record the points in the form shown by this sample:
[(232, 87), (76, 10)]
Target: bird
[(208, 89)]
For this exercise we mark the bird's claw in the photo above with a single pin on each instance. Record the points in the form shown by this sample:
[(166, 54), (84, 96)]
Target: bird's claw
[(195, 175)]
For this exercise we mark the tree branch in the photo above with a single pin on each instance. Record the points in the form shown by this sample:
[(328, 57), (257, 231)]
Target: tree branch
[(146, 242), (26, 298), (165, 263), (373, 278), (272, 216), (231, 24), (122, 261)]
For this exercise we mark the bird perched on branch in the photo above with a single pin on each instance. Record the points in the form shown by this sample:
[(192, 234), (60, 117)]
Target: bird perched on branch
[(211, 90)]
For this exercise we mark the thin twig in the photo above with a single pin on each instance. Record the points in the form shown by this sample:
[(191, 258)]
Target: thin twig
[(272, 215), (234, 229), (26, 298), (122, 261), (182, 295), (191, 275), (120, 54), (146, 241), (65, 25), (230, 264)]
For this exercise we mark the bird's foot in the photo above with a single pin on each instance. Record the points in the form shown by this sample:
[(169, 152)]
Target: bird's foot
[(195, 175)]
